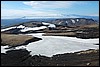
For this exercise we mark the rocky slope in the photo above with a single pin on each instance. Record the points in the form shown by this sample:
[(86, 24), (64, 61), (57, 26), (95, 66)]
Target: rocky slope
[(13, 40), (85, 31), (22, 57)]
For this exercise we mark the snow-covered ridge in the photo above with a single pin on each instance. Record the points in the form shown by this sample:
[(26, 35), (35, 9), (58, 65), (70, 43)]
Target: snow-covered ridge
[(34, 28), (7, 29), (24, 28)]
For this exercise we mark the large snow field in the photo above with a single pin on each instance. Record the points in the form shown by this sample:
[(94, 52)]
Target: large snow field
[(52, 45)]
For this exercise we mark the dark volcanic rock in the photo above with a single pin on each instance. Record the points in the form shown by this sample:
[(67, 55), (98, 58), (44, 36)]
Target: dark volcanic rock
[(87, 33), (22, 57), (15, 58), (84, 32)]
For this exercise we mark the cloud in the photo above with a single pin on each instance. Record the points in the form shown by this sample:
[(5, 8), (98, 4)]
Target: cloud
[(43, 8), (21, 13), (49, 4), (93, 14)]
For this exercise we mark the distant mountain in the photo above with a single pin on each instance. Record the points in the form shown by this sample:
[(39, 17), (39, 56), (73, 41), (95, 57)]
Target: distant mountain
[(6, 21), (74, 22), (53, 17), (64, 16), (81, 16)]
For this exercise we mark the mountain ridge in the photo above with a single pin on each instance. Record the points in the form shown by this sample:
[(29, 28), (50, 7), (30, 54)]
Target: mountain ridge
[(43, 17)]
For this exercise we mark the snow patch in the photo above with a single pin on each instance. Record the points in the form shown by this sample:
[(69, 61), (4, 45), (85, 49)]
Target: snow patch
[(3, 50), (44, 23), (7, 29), (73, 20), (20, 26), (77, 20), (60, 22), (66, 21), (52, 25), (35, 28)]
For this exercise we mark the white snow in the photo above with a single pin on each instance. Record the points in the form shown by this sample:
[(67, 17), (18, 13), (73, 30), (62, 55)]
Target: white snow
[(3, 50), (24, 29), (60, 22), (52, 25), (20, 26), (36, 34), (66, 21), (51, 45), (77, 20), (44, 23), (34, 28), (73, 20), (7, 29)]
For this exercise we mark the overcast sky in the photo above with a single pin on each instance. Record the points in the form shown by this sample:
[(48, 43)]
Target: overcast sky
[(49, 8)]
